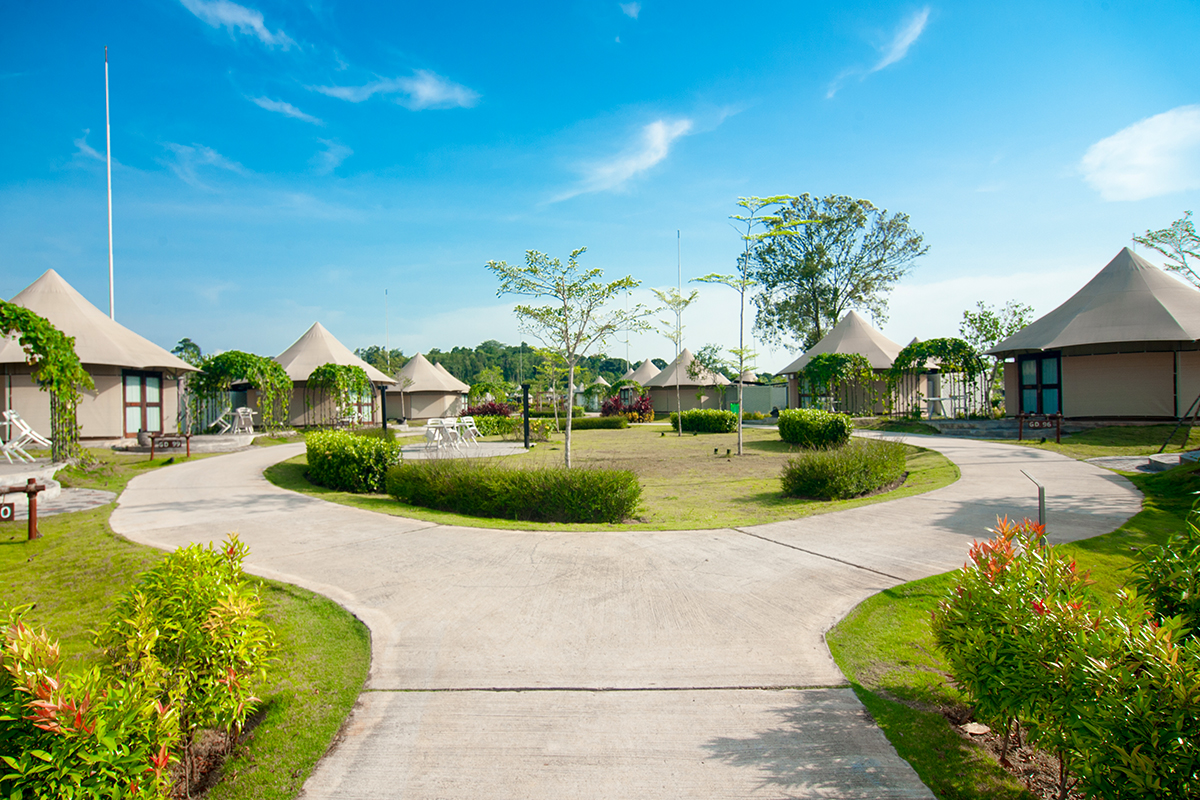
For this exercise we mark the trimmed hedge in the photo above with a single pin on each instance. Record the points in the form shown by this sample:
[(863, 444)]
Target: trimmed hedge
[(706, 420), (497, 426), (595, 423), (348, 462), (479, 488), (853, 469), (813, 428), (576, 411)]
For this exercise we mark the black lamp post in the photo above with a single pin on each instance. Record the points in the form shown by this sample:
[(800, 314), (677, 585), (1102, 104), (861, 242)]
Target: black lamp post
[(525, 403)]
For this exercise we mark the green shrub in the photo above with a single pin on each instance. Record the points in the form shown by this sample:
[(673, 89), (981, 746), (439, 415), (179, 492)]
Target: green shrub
[(349, 463), (539, 430), (813, 428), (706, 420), (545, 494), (576, 411), (855, 468), (498, 426), (597, 423), (753, 415), (1168, 575), (375, 432)]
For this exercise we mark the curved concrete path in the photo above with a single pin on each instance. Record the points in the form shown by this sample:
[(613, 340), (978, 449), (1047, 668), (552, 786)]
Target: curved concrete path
[(617, 664)]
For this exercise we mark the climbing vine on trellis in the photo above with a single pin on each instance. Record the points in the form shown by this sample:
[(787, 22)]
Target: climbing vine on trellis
[(218, 373), (950, 355), (56, 369), (342, 383)]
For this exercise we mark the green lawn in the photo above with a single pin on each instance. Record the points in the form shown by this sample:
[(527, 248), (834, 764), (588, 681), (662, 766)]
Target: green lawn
[(1117, 440), (886, 649), (685, 485), (75, 571)]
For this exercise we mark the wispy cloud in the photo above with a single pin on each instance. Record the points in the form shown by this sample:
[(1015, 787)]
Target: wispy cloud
[(1155, 156), (424, 89), (631, 10), (84, 149), (187, 160), (331, 157), (281, 107), (894, 50), (235, 18), (653, 146)]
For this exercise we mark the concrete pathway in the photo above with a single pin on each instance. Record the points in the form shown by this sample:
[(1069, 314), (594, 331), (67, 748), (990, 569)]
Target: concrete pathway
[(510, 664)]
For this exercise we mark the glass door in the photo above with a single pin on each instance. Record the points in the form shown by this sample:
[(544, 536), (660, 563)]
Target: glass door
[(1041, 386), (143, 402)]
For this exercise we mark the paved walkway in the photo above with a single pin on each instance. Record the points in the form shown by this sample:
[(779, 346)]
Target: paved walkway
[(647, 664)]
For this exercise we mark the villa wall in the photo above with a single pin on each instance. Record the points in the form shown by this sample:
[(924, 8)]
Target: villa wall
[(663, 398), (101, 410), (424, 405), (1119, 385)]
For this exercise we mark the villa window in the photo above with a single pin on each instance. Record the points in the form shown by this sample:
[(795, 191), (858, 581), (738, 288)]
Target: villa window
[(1041, 383), (143, 402)]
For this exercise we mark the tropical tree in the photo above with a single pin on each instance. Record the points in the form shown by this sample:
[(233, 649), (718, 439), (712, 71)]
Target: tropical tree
[(849, 255), (576, 319), (1177, 243), (754, 227), (986, 327), (676, 302), (189, 351)]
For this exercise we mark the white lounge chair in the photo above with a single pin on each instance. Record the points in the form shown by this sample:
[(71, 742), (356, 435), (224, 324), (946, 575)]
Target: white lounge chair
[(20, 436)]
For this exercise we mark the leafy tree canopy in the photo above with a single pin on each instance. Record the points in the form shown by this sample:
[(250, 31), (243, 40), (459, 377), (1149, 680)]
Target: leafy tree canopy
[(189, 351), (986, 327), (219, 372), (849, 254), (949, 355), (1177, 243), (825, 371)]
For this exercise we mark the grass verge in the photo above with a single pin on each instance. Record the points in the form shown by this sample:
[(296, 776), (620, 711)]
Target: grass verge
[(886, 650), (685, 486), (79, 567), (1117, 440)]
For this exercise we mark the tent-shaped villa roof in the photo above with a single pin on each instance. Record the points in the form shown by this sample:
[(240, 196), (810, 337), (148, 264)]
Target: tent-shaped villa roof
[(644, 372), (98, 338), (1128, 301), (679, 367), (749, 376), (852, 335), (419, 375), (318, 347)]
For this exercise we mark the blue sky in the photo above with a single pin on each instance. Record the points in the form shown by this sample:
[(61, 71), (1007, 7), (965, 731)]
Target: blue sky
[(278, 163)]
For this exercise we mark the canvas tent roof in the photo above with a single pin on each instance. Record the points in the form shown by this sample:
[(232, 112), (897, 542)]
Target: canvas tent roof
[(748, 377), (318, 347), (852, 335), (419, 375), (1130, 300), (600, 381), (680, 367), (98, 338), (644, 372)]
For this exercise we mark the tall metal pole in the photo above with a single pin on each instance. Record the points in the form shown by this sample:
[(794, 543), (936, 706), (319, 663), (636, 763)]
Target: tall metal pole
[(678, 323), (112, 313)]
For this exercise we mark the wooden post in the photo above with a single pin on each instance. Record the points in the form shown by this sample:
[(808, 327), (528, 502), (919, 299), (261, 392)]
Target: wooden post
[(32, 487)]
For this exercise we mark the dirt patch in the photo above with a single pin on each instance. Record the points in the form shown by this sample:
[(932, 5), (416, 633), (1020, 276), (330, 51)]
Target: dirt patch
[(1036, 770)]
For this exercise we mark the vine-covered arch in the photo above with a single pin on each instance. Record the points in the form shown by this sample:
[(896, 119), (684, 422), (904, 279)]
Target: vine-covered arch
[(219, 372), (345, 385), (56, 369), (955, 374)]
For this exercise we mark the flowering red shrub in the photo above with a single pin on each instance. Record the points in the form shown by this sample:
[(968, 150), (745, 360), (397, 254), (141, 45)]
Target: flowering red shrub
[(488, 409)]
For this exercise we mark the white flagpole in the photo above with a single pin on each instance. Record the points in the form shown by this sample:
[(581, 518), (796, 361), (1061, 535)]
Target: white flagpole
[(108, 141)]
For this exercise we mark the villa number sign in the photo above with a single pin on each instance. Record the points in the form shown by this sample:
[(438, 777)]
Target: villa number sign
[(8, 511)]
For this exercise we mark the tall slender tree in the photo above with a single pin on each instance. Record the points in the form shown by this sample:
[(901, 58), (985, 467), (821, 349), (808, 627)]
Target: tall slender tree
[(577, 318), (1177, 243), (753, 227), (676, 302)]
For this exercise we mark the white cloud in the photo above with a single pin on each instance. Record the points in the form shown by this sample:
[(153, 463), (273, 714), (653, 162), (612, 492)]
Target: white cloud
[(188, 159), (248, 21), (84, 149), (654, 146), (287, 109), (631, 10), (331, 157), (423, 90), (895, 50), (1156, 156)]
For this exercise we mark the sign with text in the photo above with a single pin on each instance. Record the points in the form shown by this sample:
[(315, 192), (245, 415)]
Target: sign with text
[(8, 511)]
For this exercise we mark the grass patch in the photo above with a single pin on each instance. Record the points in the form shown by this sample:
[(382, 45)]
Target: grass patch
[(1117, 440), (79, 568), (895, 425), (886, 649), (685, 486)]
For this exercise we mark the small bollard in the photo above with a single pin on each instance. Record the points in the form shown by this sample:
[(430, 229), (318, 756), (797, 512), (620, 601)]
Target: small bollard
[(31, 489), (1041, 498)]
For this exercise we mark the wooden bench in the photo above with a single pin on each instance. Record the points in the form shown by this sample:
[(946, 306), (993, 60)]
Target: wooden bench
[(167, 440)]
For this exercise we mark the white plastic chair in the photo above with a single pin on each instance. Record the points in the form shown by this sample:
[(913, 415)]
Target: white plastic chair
[(468, 432), (453, 434), (435, 435), (20, 437), (244, 420)]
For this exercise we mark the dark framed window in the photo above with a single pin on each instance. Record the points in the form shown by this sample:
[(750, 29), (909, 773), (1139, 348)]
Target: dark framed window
[(142, 401), (1041, 383)]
